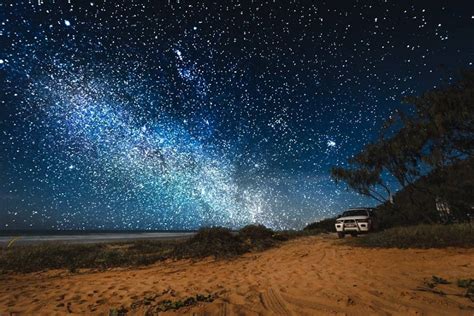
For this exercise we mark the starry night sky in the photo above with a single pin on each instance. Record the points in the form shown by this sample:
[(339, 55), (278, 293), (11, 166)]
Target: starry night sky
[(175, 115)]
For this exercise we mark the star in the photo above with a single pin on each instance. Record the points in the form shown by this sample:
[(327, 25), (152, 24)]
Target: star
[(175, 116)]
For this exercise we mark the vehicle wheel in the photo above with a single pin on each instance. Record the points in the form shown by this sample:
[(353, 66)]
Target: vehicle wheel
[(340, 235), (354, 234)]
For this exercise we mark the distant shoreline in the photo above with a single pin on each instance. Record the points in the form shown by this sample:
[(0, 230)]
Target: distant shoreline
[(88, 237), (47, 232)]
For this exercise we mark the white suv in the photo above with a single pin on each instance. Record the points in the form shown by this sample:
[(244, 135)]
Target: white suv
[(356, 221)]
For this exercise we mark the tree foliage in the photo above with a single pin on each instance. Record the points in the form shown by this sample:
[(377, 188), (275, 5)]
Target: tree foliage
[(436, 132)]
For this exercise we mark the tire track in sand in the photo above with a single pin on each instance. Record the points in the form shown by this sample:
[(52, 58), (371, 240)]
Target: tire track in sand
[(274, 302)]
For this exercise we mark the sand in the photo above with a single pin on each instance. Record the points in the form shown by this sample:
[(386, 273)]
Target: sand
[(307, 276)]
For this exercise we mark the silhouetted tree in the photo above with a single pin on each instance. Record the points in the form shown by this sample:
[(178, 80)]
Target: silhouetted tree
[(436, 132)]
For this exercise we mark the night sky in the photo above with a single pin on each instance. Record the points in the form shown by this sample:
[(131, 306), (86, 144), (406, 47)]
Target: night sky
[(180, 114)]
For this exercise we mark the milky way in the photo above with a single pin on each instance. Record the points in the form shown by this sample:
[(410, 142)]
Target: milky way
[(177, 115)]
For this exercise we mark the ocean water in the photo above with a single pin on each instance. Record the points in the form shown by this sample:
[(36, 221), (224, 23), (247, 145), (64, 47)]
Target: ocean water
[(81, 237)]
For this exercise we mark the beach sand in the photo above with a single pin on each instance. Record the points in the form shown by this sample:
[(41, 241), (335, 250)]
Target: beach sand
[(306, 276)]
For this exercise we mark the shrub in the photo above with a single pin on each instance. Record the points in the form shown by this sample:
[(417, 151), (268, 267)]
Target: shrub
[(50, 256), (421, 236), (255, 232), (258, 237), (30, 258), (292, 234), (327, 225), (214, 241)]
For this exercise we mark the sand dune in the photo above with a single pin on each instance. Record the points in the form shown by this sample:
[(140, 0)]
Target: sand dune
[(307, 276)]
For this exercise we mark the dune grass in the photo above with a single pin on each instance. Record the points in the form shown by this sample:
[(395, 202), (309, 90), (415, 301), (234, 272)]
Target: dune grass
[(420, 236), (216, 241), (30, 258)]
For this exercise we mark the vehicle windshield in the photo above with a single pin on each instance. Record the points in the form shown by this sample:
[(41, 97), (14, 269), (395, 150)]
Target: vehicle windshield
[(355, 213)]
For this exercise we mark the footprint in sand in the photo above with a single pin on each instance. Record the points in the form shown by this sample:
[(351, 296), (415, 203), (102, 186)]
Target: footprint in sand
[(61, 297), (76, 298)]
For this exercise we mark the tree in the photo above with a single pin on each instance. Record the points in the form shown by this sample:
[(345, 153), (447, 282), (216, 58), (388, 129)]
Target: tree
[(436, 132), (446, 118)]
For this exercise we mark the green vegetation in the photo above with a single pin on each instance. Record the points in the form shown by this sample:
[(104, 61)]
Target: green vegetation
[(439, 280), (420, 236), (467, 284), (285, 235), (216, 241), (431, 286), (31, 258), (154, 306), (258, 237), (428, 151), (122, 311), (325, 225), (255, 232), (414, 205), (173, 305)]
